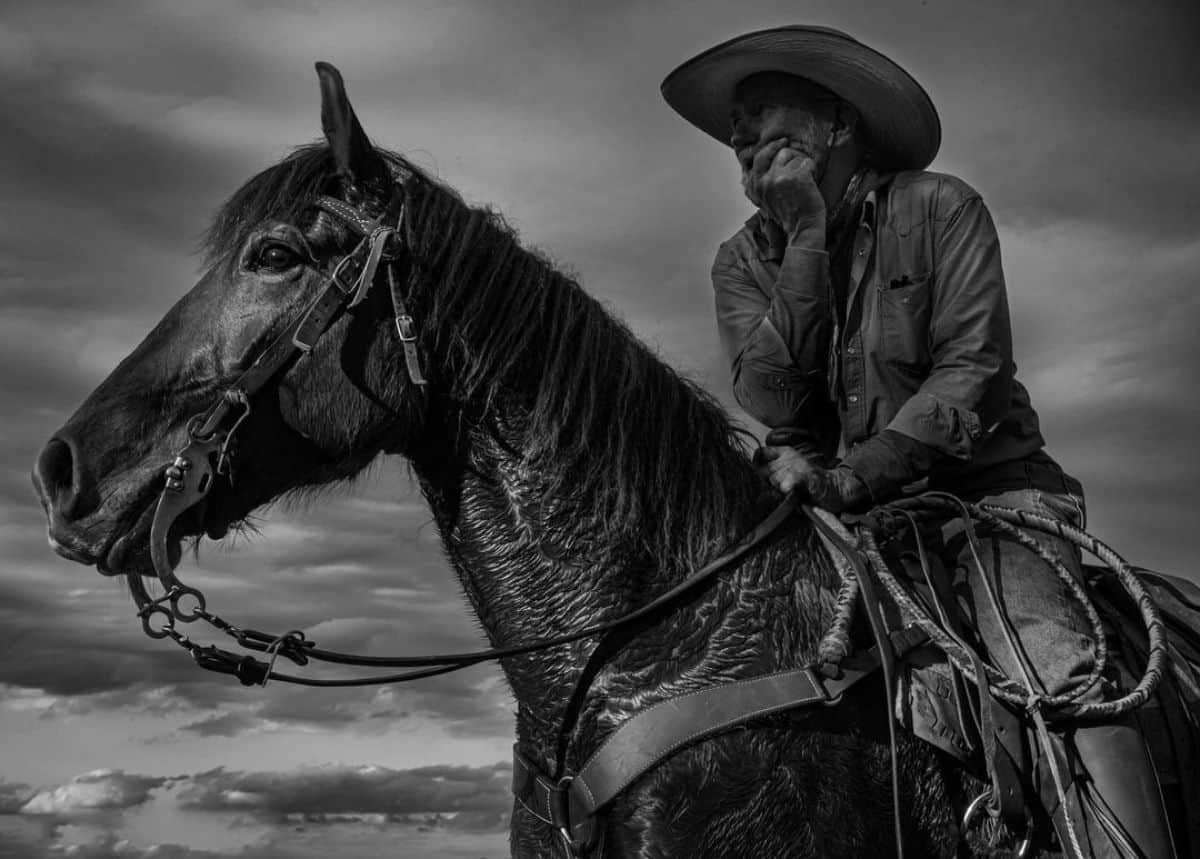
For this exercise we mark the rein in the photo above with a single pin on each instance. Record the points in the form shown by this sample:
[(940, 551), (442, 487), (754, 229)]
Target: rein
[(293, 645)]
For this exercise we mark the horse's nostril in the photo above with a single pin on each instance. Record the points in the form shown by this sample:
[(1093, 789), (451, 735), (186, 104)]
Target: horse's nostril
[(56, 475)]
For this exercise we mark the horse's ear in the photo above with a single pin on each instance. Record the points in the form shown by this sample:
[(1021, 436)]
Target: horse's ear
[(356, 159)]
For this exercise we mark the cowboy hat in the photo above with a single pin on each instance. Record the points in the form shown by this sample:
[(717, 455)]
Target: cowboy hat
[(897, 115)]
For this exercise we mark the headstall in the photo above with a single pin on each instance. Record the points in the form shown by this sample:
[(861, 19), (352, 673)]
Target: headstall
[(211, 436)]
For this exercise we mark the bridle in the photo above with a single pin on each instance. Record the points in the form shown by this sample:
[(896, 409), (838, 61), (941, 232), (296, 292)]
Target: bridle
[(212, 433), (209, 451)]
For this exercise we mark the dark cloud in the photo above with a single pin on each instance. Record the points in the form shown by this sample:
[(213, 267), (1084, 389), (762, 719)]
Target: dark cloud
[(31, 843), (1077, 121), (13, 796), (223, 725), (473, 703), (353, 790)]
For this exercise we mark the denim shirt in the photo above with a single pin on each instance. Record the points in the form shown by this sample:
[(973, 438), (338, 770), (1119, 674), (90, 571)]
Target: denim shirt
[(918, 342)]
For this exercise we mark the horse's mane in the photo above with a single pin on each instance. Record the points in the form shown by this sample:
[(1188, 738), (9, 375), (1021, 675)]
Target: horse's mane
[(606, 424)]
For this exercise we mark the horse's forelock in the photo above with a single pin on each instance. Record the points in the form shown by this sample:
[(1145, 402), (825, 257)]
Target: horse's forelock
[(281, 192)]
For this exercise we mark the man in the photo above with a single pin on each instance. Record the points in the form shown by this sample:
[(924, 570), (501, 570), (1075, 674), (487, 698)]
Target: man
[(864, 312)]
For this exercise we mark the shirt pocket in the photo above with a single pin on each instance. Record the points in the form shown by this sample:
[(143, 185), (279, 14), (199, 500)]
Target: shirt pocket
[(905, 306)]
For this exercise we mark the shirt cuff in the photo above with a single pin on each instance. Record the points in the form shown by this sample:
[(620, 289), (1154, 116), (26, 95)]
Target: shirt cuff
[(888, 461)]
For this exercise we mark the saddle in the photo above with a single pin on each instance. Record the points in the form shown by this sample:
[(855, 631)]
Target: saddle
[(931, 698), (933, 702)]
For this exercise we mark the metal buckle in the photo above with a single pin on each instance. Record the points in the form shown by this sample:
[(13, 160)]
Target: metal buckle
[(560, 816), (404, 327), (335, 276), (815, 678)]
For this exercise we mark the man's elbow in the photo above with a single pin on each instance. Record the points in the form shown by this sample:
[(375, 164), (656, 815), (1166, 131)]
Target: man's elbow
[(769, 399)]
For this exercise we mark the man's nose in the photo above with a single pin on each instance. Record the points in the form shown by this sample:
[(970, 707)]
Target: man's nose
[(59, 478), (742, 133)]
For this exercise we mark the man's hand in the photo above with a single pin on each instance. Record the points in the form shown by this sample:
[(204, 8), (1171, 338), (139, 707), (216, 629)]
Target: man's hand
[(780, 181), (834, 489)]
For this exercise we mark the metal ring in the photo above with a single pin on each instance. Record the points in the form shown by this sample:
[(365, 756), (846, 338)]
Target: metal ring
[(180, 591), (980, 802), (195, 424), (168, 624)]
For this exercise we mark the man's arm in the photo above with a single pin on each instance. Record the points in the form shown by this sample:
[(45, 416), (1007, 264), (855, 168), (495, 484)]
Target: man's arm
[(777, 336), (968, 389)]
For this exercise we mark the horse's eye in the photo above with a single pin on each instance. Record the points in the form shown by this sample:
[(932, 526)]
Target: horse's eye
[(277, 257)]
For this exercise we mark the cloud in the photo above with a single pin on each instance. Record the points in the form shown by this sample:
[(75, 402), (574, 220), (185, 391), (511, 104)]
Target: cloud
[(99, 789), (14, 796), (125, 132), (223, 725), (473, 703), (334, 790)]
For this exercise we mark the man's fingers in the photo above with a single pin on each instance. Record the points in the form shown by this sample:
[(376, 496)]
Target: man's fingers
[(784, 481), (785, 484), (784, 156), (765, 156)]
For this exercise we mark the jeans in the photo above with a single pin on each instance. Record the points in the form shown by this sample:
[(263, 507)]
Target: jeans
[(1051, 626)]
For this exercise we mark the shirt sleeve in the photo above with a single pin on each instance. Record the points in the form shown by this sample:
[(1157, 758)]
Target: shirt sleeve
[(969, 386), (777, 335), (888, 461)]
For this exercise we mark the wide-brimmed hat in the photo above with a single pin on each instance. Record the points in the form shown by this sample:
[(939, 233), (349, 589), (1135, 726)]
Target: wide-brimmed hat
[(897, 115)]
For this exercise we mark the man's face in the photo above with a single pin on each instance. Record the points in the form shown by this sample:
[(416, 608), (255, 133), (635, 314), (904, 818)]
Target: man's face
[(772, 105)]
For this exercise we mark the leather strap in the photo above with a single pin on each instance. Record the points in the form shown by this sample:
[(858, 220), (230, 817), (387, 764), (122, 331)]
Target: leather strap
[(652, 735)]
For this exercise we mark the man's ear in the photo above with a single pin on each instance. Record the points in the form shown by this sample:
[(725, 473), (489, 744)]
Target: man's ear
[(845, 123), (357, 162)]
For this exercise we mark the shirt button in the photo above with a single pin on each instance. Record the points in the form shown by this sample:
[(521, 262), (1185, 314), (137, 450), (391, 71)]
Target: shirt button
[(853, 398)]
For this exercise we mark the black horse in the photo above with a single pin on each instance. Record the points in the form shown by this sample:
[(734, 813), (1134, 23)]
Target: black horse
[(572, 475)]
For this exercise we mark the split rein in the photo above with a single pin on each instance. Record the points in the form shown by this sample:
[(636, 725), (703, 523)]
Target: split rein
[(175, 605)]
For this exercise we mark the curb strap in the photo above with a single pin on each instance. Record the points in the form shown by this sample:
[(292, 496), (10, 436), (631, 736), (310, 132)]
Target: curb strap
[(571, 804)]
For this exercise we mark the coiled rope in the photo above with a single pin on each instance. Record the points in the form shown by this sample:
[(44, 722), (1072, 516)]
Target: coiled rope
[(891, 519)]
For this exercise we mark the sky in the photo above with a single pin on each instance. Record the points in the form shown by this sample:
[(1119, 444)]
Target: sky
[(126, 124)]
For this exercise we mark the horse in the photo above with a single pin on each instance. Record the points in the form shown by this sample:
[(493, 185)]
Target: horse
[(572, 476)]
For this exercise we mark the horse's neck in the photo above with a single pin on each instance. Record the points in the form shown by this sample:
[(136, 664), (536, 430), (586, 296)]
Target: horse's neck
[(533, 569), (530, 568)]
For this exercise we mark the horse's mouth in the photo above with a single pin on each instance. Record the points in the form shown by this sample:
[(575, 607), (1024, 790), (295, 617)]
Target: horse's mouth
[(129, 554)]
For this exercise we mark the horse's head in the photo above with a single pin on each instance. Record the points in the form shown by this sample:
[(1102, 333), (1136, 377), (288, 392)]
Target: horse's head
[(320, 416)]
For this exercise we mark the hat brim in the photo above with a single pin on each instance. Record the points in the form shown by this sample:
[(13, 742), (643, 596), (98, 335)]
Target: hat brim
[(897, 115)]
